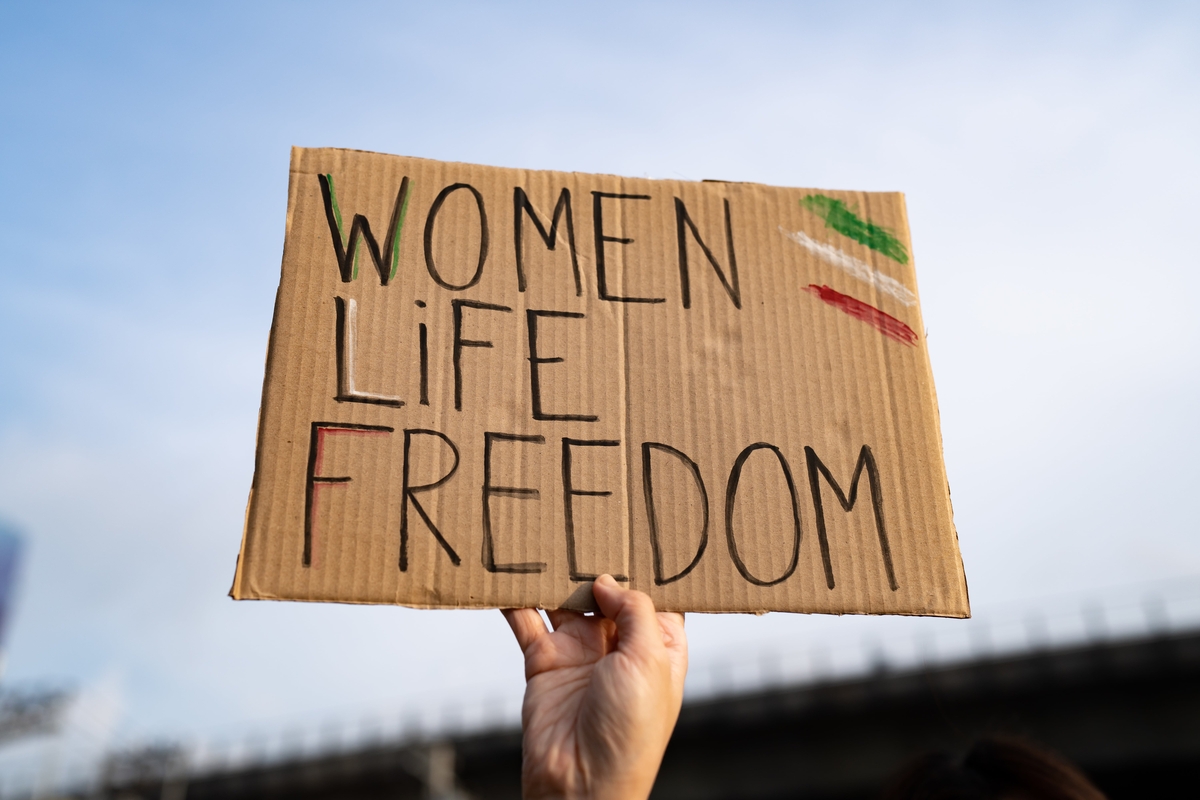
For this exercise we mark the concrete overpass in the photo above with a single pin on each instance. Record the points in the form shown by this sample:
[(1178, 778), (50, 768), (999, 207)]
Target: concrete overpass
[(1128, 712)]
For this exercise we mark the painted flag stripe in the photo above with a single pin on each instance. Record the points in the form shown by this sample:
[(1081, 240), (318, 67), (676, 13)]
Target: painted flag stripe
[(841, 218), (852, 266), (883, 322)]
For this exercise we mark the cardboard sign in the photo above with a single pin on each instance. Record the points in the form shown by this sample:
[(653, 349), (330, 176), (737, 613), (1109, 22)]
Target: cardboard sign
[(486, 387)]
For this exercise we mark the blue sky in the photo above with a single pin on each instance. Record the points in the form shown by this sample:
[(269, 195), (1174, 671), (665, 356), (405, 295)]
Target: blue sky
[(1048, 153)]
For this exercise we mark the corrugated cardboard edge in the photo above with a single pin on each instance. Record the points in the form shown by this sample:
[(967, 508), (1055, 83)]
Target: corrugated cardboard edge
[(239, 591), (937, 417)]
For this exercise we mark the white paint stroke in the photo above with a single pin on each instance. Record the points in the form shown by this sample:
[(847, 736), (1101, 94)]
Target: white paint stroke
[(852, 266), (347, 390)]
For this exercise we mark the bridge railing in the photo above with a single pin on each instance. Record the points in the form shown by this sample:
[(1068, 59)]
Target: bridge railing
[(896, 644)]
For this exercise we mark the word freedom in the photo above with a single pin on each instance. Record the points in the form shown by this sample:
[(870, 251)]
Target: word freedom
[(817, 472)]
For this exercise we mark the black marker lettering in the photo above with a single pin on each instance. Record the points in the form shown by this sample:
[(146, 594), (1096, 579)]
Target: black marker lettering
[(345, 350), (521, 203), (866, 459), (386, 261), (483, 237), (489, 491), (409, 494), (648, 489), (316, 441), (683, 223), (535, 380), (569, 492), (601, 238), (735, 475), (460, 343), (423, 342)]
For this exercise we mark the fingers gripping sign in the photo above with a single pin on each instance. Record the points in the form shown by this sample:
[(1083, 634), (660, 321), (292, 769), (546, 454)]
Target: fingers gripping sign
[(602, 695)]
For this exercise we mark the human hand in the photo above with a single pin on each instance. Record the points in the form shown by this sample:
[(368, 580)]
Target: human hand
[(602, 695)]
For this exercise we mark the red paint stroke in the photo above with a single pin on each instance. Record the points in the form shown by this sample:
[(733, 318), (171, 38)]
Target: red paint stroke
[(885, 323), (315, 553), (323, 432)]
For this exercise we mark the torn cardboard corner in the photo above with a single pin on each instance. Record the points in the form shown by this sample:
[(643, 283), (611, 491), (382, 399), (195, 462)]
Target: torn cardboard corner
[(485, 387)]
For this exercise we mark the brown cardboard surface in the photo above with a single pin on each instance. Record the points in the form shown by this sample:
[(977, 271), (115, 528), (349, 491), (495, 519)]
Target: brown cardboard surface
[(485, 386)]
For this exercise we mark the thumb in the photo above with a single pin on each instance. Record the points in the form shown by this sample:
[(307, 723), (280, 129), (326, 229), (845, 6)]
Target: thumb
[(633, 612)]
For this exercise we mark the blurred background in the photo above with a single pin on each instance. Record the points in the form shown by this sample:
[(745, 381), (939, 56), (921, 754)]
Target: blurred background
[(1049, 156)]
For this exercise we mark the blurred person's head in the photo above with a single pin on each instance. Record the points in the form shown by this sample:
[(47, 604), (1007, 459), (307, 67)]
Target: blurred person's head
[(993, 769)]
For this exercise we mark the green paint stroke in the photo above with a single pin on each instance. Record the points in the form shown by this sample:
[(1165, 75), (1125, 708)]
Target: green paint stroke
[(396, 233), (337, 215), (337, 212), (839, 217)]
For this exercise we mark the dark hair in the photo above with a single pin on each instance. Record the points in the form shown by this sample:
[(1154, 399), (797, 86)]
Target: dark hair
[(995, 768)]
